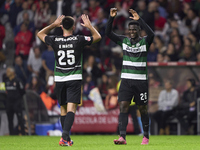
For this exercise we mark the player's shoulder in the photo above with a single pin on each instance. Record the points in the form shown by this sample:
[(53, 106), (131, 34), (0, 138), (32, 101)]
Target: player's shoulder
[(84, 38)]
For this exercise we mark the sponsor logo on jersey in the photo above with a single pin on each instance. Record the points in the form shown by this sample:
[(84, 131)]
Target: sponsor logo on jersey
[(72, 38), (68, 39), (87, 38), (133, 50), (138, 44), (60, 39)]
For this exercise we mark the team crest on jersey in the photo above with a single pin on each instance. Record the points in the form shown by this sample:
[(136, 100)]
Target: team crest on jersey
[(133, 45), (138, 44), (87, 38)]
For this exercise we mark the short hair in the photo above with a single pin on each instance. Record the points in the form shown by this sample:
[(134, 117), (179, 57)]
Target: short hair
[(192, 81), (169, 81), (134, 23), (68, 22), (11, 68)]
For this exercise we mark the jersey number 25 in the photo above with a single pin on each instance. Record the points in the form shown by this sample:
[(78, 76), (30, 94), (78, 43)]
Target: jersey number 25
[(70, 57)]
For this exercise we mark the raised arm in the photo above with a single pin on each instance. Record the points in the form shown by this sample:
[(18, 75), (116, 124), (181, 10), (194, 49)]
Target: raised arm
[(148, 30), (42, 33), (114, 37), (86, 23)]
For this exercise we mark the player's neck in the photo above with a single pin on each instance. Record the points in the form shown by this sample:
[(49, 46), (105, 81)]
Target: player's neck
[(135, 39), (67, 33)]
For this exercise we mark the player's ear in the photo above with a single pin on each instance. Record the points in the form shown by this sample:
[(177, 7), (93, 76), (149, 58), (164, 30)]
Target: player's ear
[(73, 27)]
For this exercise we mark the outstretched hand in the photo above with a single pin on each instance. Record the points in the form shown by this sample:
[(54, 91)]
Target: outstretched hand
[(86, 21), (113, 12), (135, 14), (58, 21)]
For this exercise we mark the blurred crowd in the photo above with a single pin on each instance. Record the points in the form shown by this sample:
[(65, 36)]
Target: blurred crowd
[(176, 24)]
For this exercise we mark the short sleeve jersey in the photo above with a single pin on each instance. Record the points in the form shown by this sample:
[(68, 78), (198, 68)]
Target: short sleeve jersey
[(68, 56)]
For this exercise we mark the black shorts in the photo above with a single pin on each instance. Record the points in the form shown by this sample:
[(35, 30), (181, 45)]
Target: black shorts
[(68, 92), (133, 88)]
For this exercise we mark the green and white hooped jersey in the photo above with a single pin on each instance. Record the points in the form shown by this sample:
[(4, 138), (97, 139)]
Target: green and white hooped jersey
[(68, 56), (134, 65)]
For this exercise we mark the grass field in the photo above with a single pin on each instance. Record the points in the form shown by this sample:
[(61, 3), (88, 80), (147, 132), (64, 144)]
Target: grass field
[(99, 142)]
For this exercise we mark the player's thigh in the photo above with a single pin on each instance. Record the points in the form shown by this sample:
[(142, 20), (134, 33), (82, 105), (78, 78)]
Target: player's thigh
[(141, 93), (61, 93), (74, 92), (125, 91)]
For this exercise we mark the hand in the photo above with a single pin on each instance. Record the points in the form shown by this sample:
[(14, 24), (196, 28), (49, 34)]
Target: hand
[(135, 14), (86, 21), (192, 104), (58, 21), (113, 12)]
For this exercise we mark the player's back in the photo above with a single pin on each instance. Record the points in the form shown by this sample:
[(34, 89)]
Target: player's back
[(68, 56)]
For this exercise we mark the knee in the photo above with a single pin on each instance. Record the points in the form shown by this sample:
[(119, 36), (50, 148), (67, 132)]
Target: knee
[(143, 109), (124, 107)]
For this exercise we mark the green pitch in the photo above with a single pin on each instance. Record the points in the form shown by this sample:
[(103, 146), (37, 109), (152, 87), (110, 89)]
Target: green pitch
[(99, 142)]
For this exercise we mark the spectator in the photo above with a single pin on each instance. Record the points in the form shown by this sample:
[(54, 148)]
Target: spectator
[(198, 57), (21, 70), (48, 62), (121, 17), (79, 3), (152, 54), (159, 44), (195, 44), (159, 21), (187, 54), (35, 62), (100, 22), (147, 13), (20, 17), (15, 8), (36, 85), (160, 57), (103, 86), (176, 40), (127, 4), (5, 8), (162, 11), (111, 100), (167, 101), (94, 8), (188, 106), (26, 20), (173, 6), (15, 92), (53, 6), (191, 15), (88, 85), (92, 69), (171, 52), (23, 41), (42, 15), (2, 34), (197, 7)]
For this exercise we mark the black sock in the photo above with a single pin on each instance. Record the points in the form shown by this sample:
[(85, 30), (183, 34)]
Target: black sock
[(145, 124), (123, 122), (69, 119), (62, 120)]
